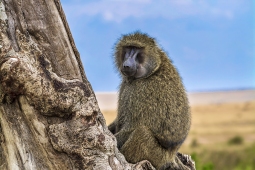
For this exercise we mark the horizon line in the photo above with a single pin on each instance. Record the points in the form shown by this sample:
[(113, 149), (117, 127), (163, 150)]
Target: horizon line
[(197, 91)]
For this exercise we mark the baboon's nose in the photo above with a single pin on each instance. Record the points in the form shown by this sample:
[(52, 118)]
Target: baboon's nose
[(128, 70), (128, 64)]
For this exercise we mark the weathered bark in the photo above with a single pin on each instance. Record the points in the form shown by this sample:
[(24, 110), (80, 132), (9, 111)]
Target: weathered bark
[(49, 116)]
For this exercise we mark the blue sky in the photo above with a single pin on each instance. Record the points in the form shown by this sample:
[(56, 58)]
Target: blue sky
[(210, 42)]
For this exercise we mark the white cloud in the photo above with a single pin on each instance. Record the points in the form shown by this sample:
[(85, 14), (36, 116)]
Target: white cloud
[(119, 10)]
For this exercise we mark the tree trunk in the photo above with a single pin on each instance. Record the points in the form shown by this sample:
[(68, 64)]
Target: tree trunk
[(49, 116)]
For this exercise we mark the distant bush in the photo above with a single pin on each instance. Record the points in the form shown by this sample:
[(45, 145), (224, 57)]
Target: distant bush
[(194, 143), (237, 140)]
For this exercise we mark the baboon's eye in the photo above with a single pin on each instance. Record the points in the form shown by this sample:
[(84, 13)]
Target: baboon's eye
[(140, 58), (125, 51)]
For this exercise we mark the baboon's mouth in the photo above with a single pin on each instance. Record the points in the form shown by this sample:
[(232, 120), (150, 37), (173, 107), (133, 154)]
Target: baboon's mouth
[(128, 73)]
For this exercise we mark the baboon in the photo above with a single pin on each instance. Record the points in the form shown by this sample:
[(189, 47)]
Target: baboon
[(153, 113)]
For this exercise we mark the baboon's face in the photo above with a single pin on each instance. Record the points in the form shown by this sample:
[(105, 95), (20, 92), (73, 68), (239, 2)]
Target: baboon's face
[(133, 64)]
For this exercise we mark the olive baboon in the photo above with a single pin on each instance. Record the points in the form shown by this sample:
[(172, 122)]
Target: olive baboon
[(153, 113)]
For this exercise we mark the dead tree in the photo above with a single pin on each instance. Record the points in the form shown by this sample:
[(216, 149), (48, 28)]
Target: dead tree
[(49, 116)]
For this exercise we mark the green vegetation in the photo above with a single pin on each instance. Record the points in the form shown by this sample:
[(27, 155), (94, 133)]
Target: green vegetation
[(199, 164), (237, 140), (242, 159)]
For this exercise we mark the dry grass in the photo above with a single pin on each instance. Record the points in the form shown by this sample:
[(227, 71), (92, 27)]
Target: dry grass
[(213, 125), (109, 116), (218, 122)]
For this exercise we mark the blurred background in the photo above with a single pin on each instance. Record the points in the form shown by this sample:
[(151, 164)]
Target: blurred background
[(211, 43)]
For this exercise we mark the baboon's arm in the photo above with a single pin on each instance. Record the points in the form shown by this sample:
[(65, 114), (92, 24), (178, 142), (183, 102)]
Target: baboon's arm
[(122, 136)]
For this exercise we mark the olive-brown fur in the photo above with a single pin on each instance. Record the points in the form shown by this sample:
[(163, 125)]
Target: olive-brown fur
[(153, 113)]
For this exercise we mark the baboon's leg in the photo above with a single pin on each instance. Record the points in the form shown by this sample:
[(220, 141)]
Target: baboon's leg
[(142, 145)]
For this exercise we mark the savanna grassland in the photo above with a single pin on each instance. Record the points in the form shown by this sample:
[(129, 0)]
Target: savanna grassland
[(222, 136)]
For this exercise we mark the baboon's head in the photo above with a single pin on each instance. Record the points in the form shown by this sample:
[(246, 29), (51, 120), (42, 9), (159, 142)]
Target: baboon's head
[(137, 55)]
